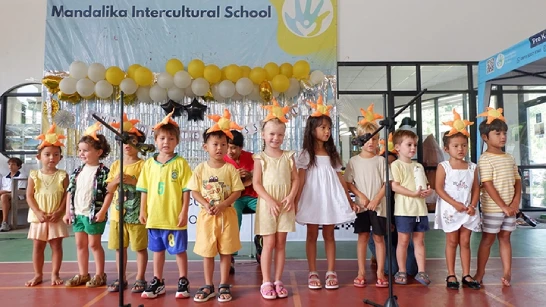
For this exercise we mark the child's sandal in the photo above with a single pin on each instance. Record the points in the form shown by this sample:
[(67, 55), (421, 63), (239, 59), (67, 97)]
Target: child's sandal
[(223, 291), (96, 281), (77, 280), (422, 278), (313, 281), (331, 281), (114, 287), (139, 286), (267, 290), (360, 282), (205, 296), (401, 278), (280, 289)]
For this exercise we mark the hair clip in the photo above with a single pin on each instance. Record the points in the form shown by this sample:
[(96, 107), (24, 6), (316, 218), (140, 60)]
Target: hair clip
[(166, 120), (320, 108), (390, 145), (51, 138), (224, 124), (492, 114), (276, 111), (458, 125), (369, 115), (128, 125), (92, 131)]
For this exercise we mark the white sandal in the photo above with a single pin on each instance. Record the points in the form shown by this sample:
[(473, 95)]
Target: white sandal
[(331, 276), (313, 277)]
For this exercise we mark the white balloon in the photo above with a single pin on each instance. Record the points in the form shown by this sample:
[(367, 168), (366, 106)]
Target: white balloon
[(316, 77), (216, 93), (255, 95), (237, 97), (85, 87), (182, 79), (189, 92), (244, 86), (96, 72), (143, 94), (78, 70), (103, 89), (293, 89), (176, 93), (200, 87), (165, 80), (158, 94), (226, 89), (68, 85), (128, 86)]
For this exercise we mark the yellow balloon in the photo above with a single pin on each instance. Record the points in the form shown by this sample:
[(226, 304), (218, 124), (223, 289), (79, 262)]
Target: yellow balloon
[(144, 77), (301, 69), (173, 66), (265, 91), (52, 83), (286, 69), (272, 70), (258, 75), (212, 74), (233, 73), (196, 68), (246, 71), (73, 98), (114, 75), (280, 83), (132, 69), (223, 70)]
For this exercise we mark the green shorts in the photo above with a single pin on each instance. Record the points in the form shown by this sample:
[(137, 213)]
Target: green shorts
[(82, 224)]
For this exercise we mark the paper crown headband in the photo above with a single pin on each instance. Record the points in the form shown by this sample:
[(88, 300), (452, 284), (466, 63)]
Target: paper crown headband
[(390, 145), (369, 115), (320, 108), (276, 112), (128, 125), (224, 124), (458, 125), (92, 131), (51, 138), (166, 120), (492, 114)]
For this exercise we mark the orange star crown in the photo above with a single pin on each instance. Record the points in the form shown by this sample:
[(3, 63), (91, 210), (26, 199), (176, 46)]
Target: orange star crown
[(458, 125), (92, 130), (128, 125), (390, 145), (224, 124), (51, 138), (492, 114), (369, 115), (166, 120), (320, 108), (276, 111)]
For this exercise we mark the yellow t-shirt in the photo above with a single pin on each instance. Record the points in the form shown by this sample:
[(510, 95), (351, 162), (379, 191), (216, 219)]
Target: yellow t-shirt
[(164, 185), (132, 169), (215, 184), (403, 173), (501, 169)]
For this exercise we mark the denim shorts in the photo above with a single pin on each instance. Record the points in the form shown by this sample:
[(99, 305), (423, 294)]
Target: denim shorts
[(407, 224)]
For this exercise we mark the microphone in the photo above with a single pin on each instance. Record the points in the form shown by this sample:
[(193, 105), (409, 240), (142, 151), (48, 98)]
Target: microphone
[(145, 148)]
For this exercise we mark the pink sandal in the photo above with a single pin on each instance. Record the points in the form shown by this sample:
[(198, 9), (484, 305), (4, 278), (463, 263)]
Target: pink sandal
[(280, 289), (267, 290), (331, 276), (359, 282), (313, 281)]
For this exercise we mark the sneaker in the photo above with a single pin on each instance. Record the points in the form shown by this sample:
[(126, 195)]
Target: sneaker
[(155, 287), (183, 288), (232, 267), (5, 227)]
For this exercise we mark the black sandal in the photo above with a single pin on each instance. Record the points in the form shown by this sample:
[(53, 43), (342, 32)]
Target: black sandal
[(206, 296), (114, 287), (453, 285), (224, 289), (139, 286), (473, 284)]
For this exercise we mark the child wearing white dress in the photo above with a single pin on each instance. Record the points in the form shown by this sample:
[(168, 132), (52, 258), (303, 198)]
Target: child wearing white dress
[(458, 189), (323, 197)]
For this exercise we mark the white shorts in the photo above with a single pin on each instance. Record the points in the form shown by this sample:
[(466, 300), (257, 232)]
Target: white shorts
[(495, 222)]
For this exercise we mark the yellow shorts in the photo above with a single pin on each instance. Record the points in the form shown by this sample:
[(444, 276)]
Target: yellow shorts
[(134, 233), (217, 234)]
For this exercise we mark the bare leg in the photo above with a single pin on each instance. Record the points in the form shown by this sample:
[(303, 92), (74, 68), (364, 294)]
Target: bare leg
[(142, 262), (464, 243), (505, 248), (38, 263), (311, 247), (124, 263), (329, 246), (402, 250), (159, 262), (452, 241), (5, 199), (280, 254), (267, 255), (98, 254), (380, 251), (361, 249), (225, 264), (208, 267), (483, 254), (56, 246), (182, 263), (83, 253), (419, 250)]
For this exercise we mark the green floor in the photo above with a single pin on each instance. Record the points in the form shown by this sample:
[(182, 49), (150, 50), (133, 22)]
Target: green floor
[(14, 247)]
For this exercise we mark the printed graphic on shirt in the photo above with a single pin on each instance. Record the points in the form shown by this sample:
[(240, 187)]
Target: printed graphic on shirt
[(215, 191)]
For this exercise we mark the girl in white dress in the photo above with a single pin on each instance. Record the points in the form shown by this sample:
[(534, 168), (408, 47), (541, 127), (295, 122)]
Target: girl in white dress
[(458, 189), (323, 198)]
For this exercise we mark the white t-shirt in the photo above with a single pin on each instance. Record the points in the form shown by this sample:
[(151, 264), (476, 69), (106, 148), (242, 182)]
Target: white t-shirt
[(368, 176), (6, 181), (84, 190)]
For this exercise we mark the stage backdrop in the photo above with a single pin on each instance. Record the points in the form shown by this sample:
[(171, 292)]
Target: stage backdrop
[(221, 32)]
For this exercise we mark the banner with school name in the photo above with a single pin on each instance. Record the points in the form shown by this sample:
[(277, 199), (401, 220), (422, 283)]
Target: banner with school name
[(220, 32)]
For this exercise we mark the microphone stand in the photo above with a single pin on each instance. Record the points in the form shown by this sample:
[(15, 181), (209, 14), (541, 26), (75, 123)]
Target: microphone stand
[(121, 196), (388, 123)]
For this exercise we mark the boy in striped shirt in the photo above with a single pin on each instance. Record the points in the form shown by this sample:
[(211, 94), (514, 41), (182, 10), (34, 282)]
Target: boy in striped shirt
[(500, 197)]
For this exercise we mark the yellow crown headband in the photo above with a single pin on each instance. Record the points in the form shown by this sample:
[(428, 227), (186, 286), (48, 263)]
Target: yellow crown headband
[(369, 115), (166, 120), (492, 114), (128, 125), (51, 138), (320, 108), (224, 124), (390, 145), (458, 125), (276, 112), (92, 131)]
